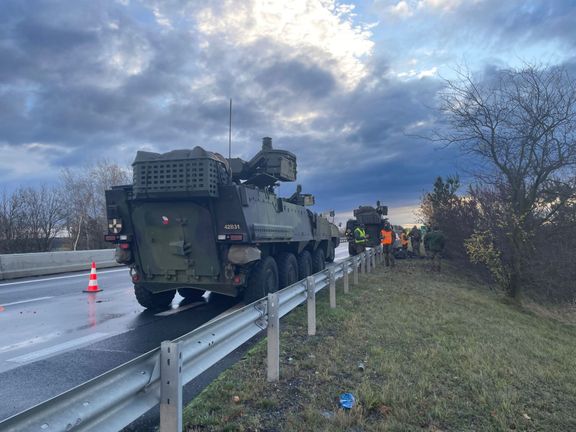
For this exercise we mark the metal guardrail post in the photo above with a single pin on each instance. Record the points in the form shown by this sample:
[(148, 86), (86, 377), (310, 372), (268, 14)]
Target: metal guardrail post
[(373, 258), (369, 261), (273, 338), (332, 288), (363, 263), (355, 268), (311, 304), (170, 387), (345, 276)]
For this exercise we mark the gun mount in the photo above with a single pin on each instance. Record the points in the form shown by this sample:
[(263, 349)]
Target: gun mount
[(268, 167)]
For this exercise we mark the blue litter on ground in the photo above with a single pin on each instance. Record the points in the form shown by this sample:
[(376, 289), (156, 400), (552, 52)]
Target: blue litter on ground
[(347, 400)]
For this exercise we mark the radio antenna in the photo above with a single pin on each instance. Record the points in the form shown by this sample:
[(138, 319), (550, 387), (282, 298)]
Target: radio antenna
[(230, 132)]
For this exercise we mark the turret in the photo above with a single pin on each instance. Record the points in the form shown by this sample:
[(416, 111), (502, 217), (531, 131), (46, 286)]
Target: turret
[(268, 167)]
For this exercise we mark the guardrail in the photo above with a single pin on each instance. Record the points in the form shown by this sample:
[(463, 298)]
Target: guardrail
[(44, 263), (115, 399)]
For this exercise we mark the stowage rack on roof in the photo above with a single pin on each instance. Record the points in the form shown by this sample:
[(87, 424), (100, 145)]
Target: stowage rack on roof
[(194, 173)]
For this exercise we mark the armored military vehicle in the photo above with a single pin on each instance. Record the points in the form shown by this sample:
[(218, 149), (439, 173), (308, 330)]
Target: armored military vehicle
[(194, 221), (373, 220)]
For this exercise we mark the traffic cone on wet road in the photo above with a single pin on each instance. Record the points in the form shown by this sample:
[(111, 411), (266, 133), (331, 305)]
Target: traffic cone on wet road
[(93, 282)]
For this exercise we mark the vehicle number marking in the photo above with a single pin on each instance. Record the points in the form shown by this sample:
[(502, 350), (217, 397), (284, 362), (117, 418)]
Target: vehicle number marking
[(232, 226)]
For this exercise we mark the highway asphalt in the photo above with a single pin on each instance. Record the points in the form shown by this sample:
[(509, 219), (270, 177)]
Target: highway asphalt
[(54, 336)]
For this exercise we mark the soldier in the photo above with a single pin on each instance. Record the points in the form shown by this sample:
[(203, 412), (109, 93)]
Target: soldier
[(360, 238), (388, 236), (434, 243), (415, 238)]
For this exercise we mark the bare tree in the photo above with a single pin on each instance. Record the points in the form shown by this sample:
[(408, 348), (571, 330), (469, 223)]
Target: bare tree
[(30, 219), (86, 212), (44, 209), (11, 218), (520, 125)]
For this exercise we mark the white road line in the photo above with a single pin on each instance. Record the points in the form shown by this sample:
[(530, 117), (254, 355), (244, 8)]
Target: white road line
[(179, 309), (60, 277), (25, 301), (74, 343)]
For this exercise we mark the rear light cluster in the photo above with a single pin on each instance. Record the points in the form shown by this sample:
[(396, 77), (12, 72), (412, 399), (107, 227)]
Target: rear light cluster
[(232, 237)]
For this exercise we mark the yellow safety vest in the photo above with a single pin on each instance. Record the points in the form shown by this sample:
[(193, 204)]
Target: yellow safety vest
[(362, 235)]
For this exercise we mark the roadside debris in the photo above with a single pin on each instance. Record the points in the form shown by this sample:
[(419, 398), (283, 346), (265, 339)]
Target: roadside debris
[(347, 400)]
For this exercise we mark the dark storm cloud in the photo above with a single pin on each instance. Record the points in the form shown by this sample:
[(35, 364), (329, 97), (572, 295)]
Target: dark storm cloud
[(300, 79), (515, 23)]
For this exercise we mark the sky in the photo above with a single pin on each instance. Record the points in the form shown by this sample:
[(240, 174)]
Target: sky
[(349, 87)]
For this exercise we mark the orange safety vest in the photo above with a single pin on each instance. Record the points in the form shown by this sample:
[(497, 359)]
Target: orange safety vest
[(404, 239), (387, 237)]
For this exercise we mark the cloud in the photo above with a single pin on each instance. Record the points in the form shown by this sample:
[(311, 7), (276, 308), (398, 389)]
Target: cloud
[(442, 5), (401, 9), (406, 9), (322, 31), (28, 161)]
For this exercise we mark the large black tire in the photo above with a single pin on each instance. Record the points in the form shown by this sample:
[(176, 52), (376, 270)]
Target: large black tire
[(263, 280), (153, 301), (318, 261), (304, 264), (191, 293), (287, 269), (331, 252)]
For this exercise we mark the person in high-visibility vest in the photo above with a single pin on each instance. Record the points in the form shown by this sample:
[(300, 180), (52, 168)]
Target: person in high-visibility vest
[(360, 238), (387, 238), (404, 241)]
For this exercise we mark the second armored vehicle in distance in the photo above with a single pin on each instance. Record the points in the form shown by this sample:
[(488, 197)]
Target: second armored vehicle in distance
[(373, 220)]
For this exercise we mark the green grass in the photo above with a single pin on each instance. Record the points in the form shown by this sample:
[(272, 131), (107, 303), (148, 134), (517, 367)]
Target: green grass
[(441, 353)]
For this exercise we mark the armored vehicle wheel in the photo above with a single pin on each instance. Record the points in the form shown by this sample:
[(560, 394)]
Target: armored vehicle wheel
[(287, 269), (318, 263), (191, 293), (150, 300), (304, 264), (263, 280), (331, 252)]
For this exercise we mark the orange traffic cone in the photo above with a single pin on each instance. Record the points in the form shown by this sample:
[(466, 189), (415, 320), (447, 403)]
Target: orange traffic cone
[(93, 282)]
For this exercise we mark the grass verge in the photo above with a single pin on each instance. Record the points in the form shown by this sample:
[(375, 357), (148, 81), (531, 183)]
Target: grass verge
[(439, 353)]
